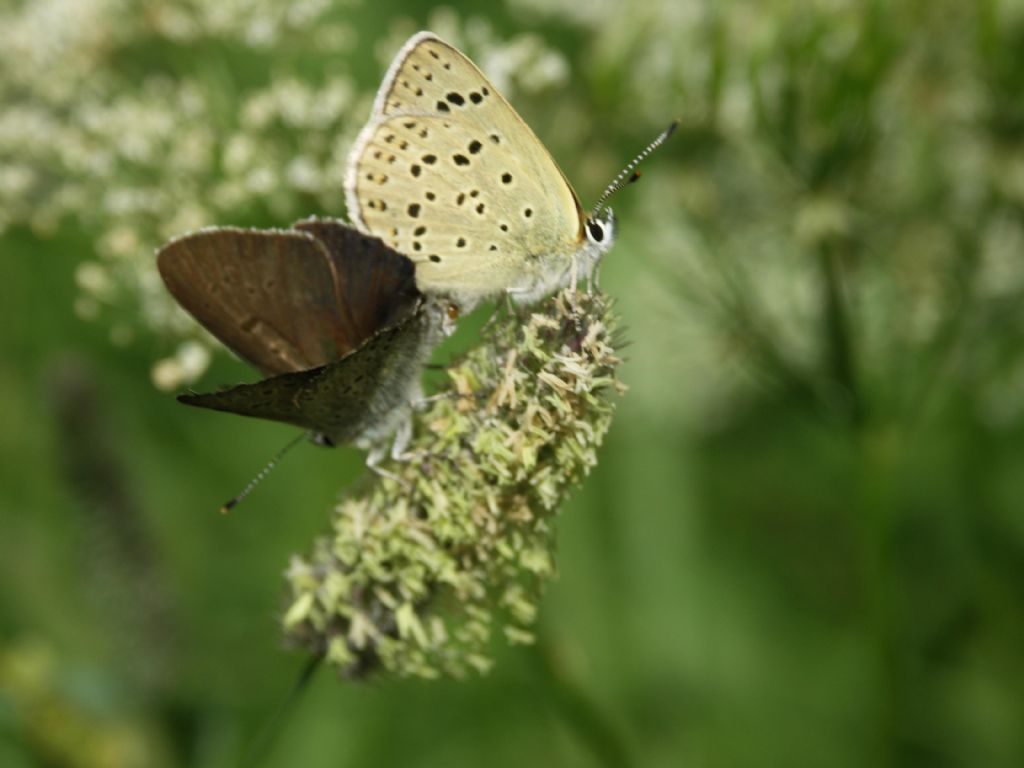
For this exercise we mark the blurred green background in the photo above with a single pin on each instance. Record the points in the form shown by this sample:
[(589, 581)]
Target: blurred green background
[(804, 542)]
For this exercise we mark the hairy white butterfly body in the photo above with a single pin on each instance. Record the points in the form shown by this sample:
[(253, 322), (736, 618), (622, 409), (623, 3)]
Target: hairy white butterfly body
[(447, 173), (552, 272)]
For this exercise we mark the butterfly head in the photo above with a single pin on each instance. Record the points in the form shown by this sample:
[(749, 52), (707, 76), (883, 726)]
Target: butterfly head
[(598, 236), (599, 231)]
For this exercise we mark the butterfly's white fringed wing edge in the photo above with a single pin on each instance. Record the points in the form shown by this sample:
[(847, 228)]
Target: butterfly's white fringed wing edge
[(396, 65), (355, 215)]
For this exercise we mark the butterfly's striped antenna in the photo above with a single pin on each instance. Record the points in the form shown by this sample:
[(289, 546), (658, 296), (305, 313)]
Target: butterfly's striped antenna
[(264, 472), (629, 174)]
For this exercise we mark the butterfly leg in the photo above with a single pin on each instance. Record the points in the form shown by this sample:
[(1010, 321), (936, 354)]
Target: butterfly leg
[(574, 274), (510, 309), (514, 295), (423, 402), (403, 436), (379, 448), (593, 278), (373, 459)]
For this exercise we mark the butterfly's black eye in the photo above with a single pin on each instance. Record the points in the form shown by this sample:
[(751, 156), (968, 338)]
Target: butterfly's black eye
[(596, 231)]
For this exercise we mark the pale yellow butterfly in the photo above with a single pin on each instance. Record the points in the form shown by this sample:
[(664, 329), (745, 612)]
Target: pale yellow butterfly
[(448, 173)]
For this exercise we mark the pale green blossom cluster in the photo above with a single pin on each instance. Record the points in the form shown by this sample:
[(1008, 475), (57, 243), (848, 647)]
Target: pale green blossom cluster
[(419, 572)]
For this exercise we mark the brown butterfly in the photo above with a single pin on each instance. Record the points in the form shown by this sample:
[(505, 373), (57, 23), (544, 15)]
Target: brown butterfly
[(330, 316)]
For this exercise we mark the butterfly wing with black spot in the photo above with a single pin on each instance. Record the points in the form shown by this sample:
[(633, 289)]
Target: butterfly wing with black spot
[(449, 174)]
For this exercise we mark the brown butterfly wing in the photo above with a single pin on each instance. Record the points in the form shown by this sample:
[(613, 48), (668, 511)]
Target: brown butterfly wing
[(278, 299), (342, 400), (376, 285)]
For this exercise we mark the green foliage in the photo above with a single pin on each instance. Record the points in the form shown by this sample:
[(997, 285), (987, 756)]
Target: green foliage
[(802, 544)]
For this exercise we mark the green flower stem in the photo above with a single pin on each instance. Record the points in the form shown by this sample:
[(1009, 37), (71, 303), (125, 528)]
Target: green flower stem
[(842, 363), (261, 744), (577, 709)]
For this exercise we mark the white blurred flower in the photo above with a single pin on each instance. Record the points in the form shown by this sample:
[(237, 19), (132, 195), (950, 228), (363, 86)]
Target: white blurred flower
[(187, 364), (93, 279)]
